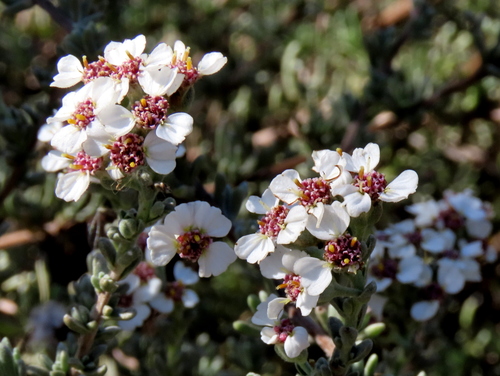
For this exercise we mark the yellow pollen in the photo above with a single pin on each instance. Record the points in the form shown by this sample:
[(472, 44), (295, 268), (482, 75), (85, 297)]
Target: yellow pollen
[(369, 180), (144, 102), (186, 54), (127, 141), (297, 182), (132, 164), (75, 167), (108, 146), (71, 121), (282, 286), (174, 58), (85, 62), (340, 151), (347, 261), (353, 241), (304, 196), (67, 156), (189, 64), (261, 223), (197, 238), (81, 117), (331, 248)]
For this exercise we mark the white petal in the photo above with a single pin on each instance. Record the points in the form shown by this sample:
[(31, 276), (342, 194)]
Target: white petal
[(306, 302), (410, 269), (357, 203), (253, 247), (368, 158), (162, 304), (71, 186), (333, 224), (283, 186), (70, 72), (275, 307), (157, 82), (272, 266), (190, 298), (472, 249), (424, 310), (450, 277), (69, 139), (211, 220), (54, 161), (163, 246), (315, 274), (145, 293), (211, 63), (297, 342), (295, 223), (185, 274), (262, 205), (97, 139), (401, 187), (176, 128), (216, 259), (160, 154), (117, 120), (260, 317)]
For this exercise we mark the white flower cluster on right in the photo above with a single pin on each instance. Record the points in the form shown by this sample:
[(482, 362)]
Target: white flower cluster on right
[(438, 251), (322, 207)]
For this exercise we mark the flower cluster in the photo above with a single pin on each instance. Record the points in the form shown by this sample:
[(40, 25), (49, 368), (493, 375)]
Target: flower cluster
[(438, 251), (319, 208), (121, 119), (146, 292)]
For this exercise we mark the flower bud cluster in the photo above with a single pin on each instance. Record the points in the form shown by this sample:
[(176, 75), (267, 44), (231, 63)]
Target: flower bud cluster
[(121, 119), (437, 251)]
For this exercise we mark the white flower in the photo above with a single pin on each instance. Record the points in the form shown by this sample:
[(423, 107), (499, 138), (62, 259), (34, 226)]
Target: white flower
[(281, 265), (118, 53), (414, 270), (280, 225), (140, 297), (70, 72), (437, 241), (426, 213), (48, 130), (189, 232), (461, 267), (370, 185), (80, 170), (315, 274), (165, 300), (276, 331), (81, 110)]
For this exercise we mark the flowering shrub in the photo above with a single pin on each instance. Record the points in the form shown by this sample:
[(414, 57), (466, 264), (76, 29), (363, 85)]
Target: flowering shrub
[(210, 243)]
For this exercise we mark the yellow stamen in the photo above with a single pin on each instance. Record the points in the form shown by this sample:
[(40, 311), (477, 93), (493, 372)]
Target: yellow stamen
[(144, 102), (353, 241), (369, 180), (197, 238), (174, 58), (67, 156), (71, 121), (361, 172), (130, 56), (261, 223), (189, 64), (331, 248), (297, 182), (75, 167), (282, 286), (112, 67), (127, 141), (108, 146), (132, 164), (340, 151), (347, 261), (186, 54), (85, 62), (81, 117)]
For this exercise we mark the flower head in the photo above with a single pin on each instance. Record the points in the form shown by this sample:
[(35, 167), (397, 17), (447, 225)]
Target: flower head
[(189, 231)]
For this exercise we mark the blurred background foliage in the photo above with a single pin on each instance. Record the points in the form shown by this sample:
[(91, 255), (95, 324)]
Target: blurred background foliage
[(420, 77)]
